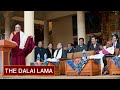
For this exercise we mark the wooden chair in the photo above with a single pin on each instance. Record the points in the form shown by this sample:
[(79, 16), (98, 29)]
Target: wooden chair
[(62, 66), (91, 68), (115, 54), (60, 69), (77, 55), (57, 69), (62, 63), (113, 70), (68, 70), (70, 55)]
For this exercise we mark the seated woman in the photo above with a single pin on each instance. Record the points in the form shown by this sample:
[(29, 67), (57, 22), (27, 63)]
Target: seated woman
[(50, 50)]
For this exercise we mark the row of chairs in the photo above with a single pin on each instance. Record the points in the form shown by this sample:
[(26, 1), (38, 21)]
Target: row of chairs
[(90, 69)]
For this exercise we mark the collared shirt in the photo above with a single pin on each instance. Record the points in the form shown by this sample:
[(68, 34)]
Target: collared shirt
[(81, 45), (114, 44), (94, 45)]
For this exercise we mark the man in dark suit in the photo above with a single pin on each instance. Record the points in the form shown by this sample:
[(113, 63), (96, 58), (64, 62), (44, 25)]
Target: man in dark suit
[(70, 48), (94, 44), (40, 50), (81, 46), (115, 41)]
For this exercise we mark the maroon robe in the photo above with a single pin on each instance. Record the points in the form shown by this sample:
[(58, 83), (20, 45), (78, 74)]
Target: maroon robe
[(19, 55)]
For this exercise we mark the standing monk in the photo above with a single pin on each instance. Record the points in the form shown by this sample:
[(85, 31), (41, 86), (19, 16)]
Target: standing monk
[(24, 46)]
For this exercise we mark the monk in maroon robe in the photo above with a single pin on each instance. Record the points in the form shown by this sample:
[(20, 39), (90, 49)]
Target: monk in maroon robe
[(24, 46)]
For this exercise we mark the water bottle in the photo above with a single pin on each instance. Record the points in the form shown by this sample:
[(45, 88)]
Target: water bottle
[(45, 57), (84, 56), (38, 57)]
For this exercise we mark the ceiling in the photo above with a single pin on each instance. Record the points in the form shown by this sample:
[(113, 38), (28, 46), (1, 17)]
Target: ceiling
[(42, 15)]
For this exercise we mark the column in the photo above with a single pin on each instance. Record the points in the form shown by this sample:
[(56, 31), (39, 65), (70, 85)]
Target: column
[(7, 24), (116, 21), (46, 33), (81, 25), (29, 30)]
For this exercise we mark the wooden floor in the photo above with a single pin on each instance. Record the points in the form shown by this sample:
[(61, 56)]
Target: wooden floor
[(62, 77)]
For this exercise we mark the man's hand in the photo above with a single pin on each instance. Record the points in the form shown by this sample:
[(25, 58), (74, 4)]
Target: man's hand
[(15, 43)]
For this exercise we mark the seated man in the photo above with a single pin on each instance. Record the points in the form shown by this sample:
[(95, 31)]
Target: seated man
[(108, 49), (81, 45), (39, 50), (115, 41), (59, 53), (70, 48), (94, 44)]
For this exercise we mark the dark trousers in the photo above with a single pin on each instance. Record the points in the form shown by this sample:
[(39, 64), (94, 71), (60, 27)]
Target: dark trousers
[(104, 61)]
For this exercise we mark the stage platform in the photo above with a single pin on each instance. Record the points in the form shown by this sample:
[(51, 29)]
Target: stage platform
[(62, 77)]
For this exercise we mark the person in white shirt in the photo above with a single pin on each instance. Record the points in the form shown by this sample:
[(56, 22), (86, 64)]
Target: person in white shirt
[(107, 49)]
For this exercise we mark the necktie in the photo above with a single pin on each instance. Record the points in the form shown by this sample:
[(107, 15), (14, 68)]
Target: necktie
[(94, 45), (114, 44)]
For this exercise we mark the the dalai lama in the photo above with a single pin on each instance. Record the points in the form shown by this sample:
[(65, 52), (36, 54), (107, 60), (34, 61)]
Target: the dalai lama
[(24, 46)]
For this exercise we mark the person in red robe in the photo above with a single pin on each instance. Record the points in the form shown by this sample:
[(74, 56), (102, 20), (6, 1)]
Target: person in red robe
[(24, 46)]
